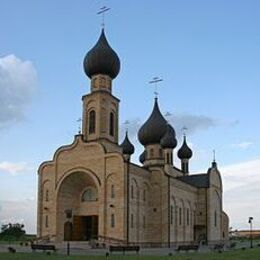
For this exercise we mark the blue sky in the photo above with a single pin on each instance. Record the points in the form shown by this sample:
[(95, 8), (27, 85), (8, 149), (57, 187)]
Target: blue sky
[(207, 53)]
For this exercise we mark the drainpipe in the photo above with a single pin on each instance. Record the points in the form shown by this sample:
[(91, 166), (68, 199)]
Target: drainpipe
[(169, 213), (127, 201), (206, 215)]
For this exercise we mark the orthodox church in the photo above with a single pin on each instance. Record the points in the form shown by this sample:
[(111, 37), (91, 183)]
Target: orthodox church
[(92, 190)]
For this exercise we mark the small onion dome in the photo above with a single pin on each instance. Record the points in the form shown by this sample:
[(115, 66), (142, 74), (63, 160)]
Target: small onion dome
[(142, 157), (127, 146), (154, 128), (184, 152), (169, 138), (101, 59)]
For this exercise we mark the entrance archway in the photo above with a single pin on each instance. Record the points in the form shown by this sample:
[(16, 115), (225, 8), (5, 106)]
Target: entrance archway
[(78, 191)]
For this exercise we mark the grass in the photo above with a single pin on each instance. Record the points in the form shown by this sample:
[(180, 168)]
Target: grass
[(248, 254)]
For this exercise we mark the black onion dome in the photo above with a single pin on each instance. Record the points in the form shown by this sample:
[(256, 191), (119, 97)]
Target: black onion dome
[(184, 152), (169, 138), (101, 59), (142, 157), (154, 128), (127, 146)]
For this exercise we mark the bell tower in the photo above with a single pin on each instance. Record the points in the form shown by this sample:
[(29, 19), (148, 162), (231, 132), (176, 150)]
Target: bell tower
[(100, 107)]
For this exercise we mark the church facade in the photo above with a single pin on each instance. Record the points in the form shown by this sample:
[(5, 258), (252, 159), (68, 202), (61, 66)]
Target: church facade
[(92, 190)]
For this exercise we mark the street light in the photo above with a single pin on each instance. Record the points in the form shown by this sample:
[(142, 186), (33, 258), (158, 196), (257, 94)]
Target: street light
[(68, 229), (250, 221)]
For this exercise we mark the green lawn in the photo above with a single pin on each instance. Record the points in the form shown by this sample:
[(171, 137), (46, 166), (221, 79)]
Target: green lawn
[(248, 254)]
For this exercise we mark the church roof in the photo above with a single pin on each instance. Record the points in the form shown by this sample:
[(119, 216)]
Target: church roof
[(101, 59), (154, 128), (197, 180), (142, 157), (169, 138), (127, 146), (185, 152)]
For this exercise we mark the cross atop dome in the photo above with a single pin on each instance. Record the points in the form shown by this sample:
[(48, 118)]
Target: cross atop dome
[(102, 11), (154, 81)]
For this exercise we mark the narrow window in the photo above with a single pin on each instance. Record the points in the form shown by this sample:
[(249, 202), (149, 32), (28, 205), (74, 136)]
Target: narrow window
[(94, 83), (160, 153), (168, 158), (180, 216), (151, 153), (112, 220), (47, 195), (171, 215), (112, 124), (144, 195), (102, 82), (215, 218), (46, 221), (132, 221), (92, 122), (132, 191), (144, 224), (188, 217), (112, 191)]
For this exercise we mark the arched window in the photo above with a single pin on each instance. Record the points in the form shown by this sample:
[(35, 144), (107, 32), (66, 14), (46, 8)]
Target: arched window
[(160, 153), (215, 218), (92, 122), (112, 124), (144, 195), (90, 194)]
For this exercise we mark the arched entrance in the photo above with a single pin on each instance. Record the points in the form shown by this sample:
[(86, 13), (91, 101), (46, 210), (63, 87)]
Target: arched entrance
[(78, 192)]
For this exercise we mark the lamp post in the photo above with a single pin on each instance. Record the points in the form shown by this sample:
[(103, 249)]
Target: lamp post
[(68, 229), (250, 221)]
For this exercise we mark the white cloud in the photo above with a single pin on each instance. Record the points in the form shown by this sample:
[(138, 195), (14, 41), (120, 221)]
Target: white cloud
[(241, 192), (18, 82), (242, 145), (194, 123), (15, 168)]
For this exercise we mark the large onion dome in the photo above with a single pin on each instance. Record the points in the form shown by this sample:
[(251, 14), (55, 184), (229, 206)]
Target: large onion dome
[(142, 157), (101, 59), (127, 147), (184, 152), (169, 138), (154, 128)]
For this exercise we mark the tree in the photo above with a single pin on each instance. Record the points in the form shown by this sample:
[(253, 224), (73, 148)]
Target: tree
[(12, 231)]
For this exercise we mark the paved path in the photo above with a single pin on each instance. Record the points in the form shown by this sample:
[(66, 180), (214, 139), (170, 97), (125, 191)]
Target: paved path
[(78, 248)]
